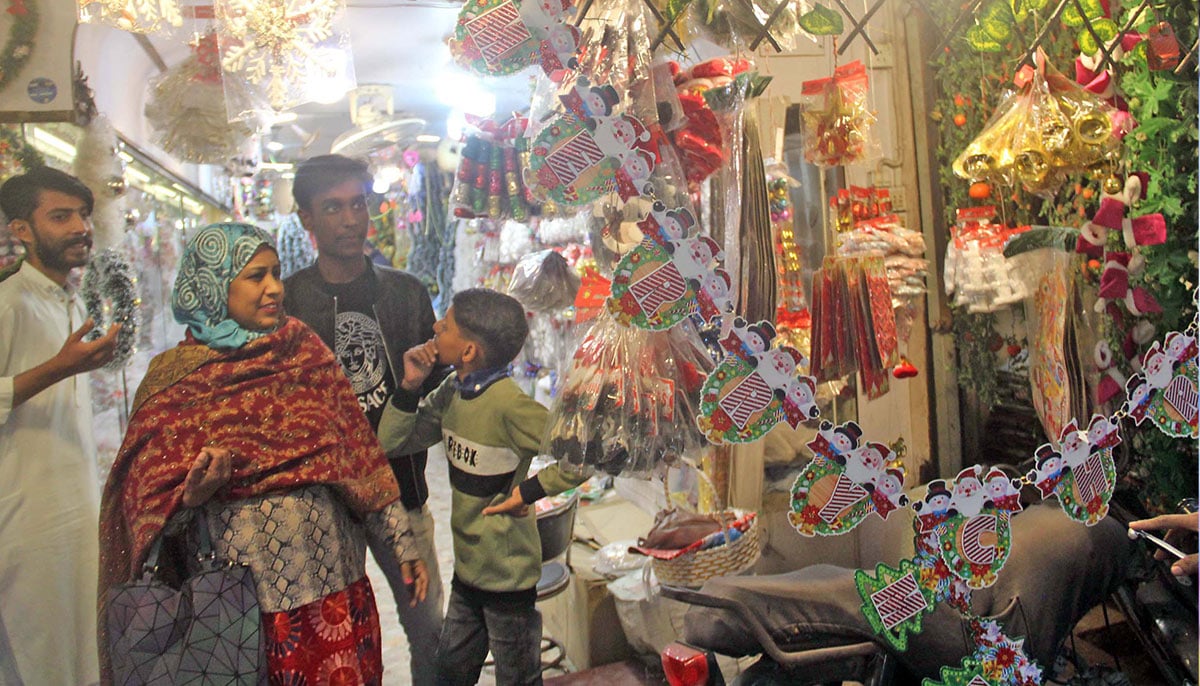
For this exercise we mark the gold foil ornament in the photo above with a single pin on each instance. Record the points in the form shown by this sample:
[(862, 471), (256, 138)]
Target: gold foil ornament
[(1049, 129)]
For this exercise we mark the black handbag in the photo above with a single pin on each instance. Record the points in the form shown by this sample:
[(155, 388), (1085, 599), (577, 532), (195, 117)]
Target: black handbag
[(208, 631)]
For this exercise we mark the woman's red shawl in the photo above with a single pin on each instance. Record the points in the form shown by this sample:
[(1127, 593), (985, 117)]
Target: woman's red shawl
[(280, 403)]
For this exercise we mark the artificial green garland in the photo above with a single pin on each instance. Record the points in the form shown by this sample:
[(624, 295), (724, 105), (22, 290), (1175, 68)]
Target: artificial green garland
[(19, 46), (1165, 106)]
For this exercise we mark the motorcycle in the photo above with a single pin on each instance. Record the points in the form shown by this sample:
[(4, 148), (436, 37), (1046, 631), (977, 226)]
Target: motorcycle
[(807, 626)]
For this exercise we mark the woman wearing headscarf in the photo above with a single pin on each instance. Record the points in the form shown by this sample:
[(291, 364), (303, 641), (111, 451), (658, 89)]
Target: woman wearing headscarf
[(251, 423)]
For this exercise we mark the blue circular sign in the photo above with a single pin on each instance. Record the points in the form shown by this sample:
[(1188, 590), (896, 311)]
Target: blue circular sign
[(42, 90)]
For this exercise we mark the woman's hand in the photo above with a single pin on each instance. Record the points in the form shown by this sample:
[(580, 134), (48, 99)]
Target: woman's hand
[(418, 363), (1175, 523), (209, 472), (416, 580), (513, 505)]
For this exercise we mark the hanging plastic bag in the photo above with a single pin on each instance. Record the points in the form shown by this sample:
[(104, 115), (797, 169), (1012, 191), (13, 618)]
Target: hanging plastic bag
[(544, 282), (836, 120), (629, 399)]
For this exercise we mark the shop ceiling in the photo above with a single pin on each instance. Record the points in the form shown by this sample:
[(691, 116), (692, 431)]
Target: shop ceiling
[(396, 43)]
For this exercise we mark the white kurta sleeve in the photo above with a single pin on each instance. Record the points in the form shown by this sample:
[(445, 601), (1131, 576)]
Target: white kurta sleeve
[(8, 326)]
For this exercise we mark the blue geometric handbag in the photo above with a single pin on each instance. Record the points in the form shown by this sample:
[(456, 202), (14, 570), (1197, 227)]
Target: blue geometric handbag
[(208, 632)]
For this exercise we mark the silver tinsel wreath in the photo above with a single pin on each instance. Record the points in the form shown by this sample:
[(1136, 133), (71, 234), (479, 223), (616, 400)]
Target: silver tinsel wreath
[(109, 291)]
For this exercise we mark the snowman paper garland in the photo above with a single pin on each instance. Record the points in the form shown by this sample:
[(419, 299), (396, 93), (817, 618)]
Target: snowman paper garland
[(754, 387), (844, 483), (664, 279), (493, 38), (1165, 391), (1080, 472)]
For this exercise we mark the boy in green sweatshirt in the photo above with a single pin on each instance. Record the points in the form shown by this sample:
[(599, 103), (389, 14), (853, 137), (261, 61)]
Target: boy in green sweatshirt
[(491, 429)]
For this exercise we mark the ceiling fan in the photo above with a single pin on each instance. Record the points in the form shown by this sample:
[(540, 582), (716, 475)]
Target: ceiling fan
[(377, 125)]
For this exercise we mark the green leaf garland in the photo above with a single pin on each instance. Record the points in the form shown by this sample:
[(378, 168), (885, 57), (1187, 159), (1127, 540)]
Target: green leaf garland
[(19, 47)]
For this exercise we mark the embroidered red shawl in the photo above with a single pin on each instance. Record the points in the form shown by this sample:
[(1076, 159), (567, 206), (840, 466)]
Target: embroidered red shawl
[(282, 405)]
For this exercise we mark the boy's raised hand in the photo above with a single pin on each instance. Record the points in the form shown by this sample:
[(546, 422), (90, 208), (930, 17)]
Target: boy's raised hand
[(418, 363)]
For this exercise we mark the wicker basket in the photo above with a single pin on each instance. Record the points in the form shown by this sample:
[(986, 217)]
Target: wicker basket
[(694, 568)]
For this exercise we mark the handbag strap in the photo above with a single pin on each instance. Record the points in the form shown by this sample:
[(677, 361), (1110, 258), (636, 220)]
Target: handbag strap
[(204, 550)]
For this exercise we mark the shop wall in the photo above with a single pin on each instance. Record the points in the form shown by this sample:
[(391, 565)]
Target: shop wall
[(905, 412)]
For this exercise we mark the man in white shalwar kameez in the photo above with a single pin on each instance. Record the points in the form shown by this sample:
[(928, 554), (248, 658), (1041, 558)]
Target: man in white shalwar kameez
[(49, 495)]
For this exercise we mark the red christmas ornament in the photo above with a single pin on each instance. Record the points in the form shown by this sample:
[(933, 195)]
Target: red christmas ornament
[(904, 370)]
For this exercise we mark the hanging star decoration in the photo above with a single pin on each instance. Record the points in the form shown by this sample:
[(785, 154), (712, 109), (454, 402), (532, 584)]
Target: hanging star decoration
[(272, 43)]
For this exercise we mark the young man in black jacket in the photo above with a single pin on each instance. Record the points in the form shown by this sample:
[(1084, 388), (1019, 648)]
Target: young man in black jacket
[(369, 316)]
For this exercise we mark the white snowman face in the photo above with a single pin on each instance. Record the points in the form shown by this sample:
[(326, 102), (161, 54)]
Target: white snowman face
[(939, 502), (842, 443), (754, 342), (672, 228), (1051, 466)]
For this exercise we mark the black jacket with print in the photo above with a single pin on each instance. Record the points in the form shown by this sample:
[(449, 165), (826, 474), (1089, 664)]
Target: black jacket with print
[(405, 315)]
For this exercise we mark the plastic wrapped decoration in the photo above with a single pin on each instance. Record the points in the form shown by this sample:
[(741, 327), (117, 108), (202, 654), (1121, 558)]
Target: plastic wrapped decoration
[(489, 181), (629, 399), (1046, 130), (595, 131), (699, 139), (186, 108), (976, 272), (836, 120), (544, 282)]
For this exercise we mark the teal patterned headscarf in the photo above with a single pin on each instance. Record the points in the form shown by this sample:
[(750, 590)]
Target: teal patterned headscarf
[(211, 261)]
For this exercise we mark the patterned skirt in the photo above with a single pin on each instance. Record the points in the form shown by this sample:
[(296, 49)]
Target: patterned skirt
[(334, 641)]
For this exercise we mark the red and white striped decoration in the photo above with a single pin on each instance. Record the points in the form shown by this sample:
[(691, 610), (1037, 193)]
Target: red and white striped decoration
[(752, 394), (498, 31), (845, 494), (899, 601), (661, 286), (575, 156), (1090, 481), (1181, 394), (974, 551)]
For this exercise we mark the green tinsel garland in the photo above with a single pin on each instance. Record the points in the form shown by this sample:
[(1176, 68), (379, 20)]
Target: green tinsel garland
[(19, 46)]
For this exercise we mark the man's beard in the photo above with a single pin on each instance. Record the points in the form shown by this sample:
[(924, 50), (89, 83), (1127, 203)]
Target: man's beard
[(54, 255)]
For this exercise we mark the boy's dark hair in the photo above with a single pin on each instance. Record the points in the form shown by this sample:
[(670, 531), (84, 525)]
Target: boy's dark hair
[(19, 195), (318, 174), (493, 320)]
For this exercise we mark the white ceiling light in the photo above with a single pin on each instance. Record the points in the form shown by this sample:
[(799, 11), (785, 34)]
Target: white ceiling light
[(274, 146), (466, 93), (428, 138)]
